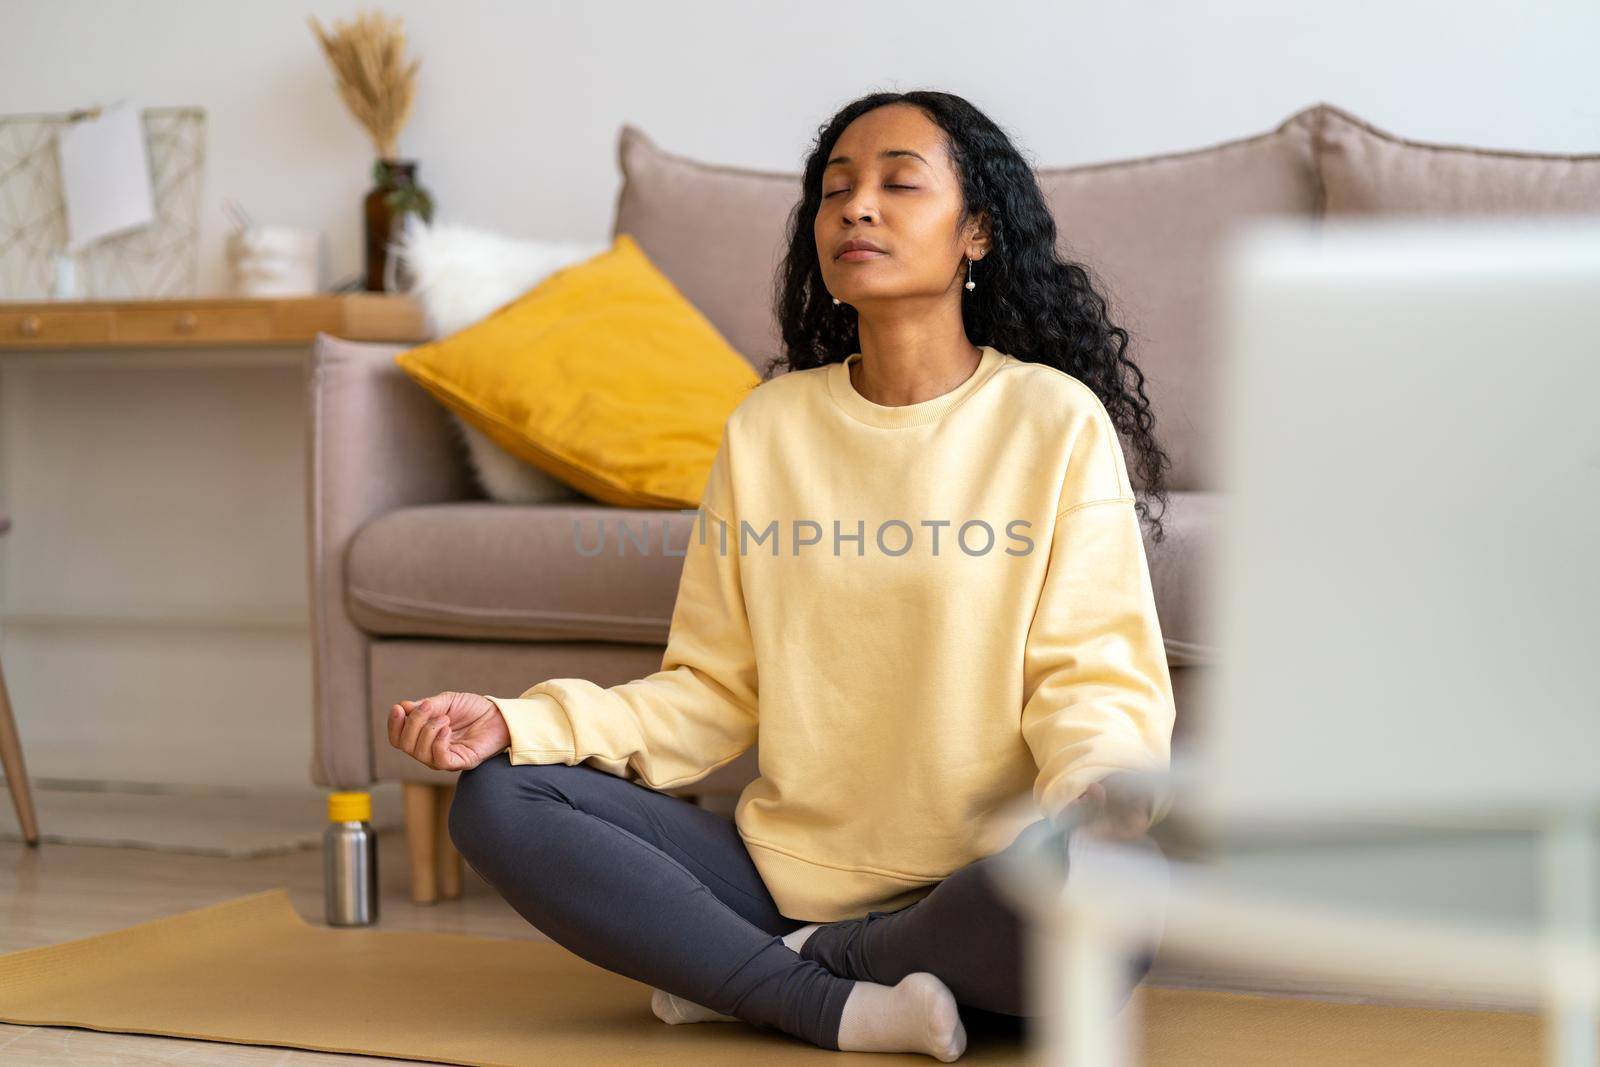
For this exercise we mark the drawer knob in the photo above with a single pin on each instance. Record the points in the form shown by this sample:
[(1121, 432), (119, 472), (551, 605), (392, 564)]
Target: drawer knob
[(29, 326), (187, 322)]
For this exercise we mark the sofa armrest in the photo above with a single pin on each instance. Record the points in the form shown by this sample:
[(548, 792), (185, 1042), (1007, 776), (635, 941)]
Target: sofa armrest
[(376, 441)]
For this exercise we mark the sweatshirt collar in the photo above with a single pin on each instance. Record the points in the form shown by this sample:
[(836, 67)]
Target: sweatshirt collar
[(889, 416)]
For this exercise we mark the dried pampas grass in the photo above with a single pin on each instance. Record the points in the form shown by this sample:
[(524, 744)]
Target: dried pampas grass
[(368, 56)]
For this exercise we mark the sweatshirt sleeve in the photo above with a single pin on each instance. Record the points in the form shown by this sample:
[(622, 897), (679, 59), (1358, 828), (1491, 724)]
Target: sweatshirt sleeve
[(696, 713), (1097, 690)]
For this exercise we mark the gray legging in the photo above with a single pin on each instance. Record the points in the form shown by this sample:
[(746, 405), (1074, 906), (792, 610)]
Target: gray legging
[(653, 887)]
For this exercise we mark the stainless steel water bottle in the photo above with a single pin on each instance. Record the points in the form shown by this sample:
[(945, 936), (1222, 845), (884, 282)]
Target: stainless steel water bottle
[(350, 861)]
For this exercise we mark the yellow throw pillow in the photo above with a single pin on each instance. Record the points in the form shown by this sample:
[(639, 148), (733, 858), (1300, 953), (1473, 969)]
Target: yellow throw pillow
[(603, 375)]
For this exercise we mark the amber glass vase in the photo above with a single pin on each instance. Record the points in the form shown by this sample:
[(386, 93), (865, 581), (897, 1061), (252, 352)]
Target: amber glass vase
[(395, 194)]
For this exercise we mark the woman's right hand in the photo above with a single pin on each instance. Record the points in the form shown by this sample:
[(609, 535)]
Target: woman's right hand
[(449, 731)]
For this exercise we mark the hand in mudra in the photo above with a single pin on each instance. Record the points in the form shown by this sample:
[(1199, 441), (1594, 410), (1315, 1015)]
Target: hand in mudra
[(1116, 811), (449, 731)]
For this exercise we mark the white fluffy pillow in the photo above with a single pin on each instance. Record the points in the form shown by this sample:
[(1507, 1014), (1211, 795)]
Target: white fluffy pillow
[(461, 275)]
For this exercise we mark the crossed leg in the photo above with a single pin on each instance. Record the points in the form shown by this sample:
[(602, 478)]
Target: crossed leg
[(643, 884), (648, 885), (964, 931)]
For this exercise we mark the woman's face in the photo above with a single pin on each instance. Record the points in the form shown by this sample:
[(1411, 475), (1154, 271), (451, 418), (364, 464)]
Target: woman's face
[(890, 182)]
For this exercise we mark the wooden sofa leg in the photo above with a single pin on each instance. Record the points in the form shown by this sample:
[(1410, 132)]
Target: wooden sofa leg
[(435, 863), (422, 835), (449, 858)]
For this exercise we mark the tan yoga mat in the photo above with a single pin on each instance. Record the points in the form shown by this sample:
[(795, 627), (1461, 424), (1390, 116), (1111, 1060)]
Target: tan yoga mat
[(252, 971)]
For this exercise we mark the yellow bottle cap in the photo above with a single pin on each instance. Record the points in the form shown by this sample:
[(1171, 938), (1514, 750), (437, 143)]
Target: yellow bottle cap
[(350, 807)]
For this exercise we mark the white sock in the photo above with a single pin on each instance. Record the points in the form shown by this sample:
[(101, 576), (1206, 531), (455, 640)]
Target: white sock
[(673, 1010), (918, 1014), (795, 938)]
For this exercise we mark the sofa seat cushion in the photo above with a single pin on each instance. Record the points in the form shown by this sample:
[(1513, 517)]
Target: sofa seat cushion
[(481, 569)]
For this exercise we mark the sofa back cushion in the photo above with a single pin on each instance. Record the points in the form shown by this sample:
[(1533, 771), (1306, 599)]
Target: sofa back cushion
[(717, 232), (1368, 171), (1147, 228), (1150, 231)]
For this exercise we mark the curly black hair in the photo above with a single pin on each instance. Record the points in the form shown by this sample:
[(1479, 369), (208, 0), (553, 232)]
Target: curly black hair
[(1034, 304)]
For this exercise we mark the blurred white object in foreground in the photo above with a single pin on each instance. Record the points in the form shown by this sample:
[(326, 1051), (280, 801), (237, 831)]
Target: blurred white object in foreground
[(1408, 596), (1407, 602)]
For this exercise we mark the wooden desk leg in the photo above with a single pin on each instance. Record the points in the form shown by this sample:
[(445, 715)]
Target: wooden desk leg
[(449, 858), (16, 773), (422, 835)]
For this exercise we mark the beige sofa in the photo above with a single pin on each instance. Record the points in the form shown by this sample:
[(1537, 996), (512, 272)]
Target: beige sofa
[(419, 584)]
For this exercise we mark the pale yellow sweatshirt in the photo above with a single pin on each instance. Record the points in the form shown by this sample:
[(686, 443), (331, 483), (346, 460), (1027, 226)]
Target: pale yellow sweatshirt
[(921, 611)]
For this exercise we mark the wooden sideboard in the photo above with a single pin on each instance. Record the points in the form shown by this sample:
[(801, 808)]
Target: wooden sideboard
[(154, 600), (208, 321)]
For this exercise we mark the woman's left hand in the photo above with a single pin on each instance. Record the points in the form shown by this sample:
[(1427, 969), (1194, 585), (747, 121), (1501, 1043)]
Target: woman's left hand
[(1117, 812)]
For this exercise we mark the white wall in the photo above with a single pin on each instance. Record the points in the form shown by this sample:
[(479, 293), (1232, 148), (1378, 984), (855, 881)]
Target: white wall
[(519, 103)]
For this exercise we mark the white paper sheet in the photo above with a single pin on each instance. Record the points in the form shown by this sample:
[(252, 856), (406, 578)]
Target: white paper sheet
[(105, 175)]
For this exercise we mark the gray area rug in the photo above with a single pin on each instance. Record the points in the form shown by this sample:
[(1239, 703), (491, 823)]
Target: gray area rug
[(211, 822)]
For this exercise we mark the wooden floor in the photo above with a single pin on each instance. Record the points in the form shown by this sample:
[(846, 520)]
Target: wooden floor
[(60, 892)]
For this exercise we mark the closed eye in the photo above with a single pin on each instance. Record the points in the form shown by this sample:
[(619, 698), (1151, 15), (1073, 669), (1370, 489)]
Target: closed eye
[(836, 191)]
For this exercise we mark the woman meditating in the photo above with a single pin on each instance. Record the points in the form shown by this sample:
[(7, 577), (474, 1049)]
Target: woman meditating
[(916, 575)]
